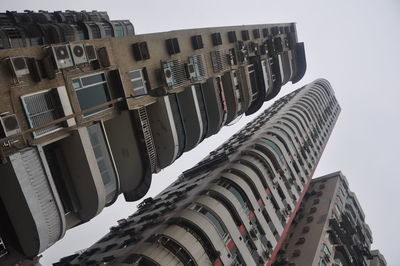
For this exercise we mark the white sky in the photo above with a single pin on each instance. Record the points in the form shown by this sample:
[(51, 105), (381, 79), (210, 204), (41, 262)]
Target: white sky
[(353, 44)]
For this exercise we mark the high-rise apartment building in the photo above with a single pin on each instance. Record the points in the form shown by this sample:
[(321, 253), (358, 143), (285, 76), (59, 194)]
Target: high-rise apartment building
[(37, 28), (82, 122), (236, 206), (329, 228)]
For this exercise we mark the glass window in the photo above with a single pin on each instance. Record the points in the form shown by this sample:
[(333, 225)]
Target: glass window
[(119, 30), (326, 250), (138, 82), (237, 193), (276, 149), (96, 33), (321, 262), (92, 91), (213, 219), (108, 29), (104, 162)]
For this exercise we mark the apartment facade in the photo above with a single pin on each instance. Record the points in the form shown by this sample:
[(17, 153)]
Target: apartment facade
[(85, 121), (37, 28), (236, 206), (329, 228)]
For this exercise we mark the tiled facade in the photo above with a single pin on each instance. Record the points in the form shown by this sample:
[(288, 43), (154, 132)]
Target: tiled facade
[(236, 206), (329, 228)]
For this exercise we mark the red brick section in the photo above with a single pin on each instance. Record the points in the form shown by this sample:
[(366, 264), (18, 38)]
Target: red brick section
[(289, 223), (230, 245), (217, 262), (241, 229)]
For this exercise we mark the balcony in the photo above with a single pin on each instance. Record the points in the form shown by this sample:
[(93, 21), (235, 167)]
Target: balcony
[(301, 64), (32, 202)]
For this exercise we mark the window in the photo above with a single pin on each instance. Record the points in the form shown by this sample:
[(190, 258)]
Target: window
[(306, 229), (197, 42), (316, 201), (92, 91), (213, 219), (296, 253), (96, 33), (256, 33), (310, 219), (216, 38), (42, 108), (313, 210), (103, 158), (245, 35), (321, 262), (118, 29), (141, 51), (172, 46), (138, 82), (326, 250), (237, 192), (108, 29), (232, 36), (265, 32), (180, 252), (300, 241)]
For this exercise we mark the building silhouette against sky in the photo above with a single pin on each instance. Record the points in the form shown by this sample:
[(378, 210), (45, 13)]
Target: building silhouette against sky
[(329, 228), (84, 121), (236, 206)]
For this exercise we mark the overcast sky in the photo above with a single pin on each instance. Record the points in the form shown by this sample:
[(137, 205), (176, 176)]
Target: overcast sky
[(353, 44)]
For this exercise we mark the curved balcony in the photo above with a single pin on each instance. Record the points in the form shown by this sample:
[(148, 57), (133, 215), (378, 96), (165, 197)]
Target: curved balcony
[(260, 86), (213, 105), (32, 202), (231, 97), (276, 80), (191, 117), (167, 130), (301, 64), (129, 155)]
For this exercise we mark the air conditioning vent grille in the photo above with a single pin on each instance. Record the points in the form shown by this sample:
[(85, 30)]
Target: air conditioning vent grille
[(62, 56), (10, 125), (78, 53), (18, 66), (174, 73), (91, 52)]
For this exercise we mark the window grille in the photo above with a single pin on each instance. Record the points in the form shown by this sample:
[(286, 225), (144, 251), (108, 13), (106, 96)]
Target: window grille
[(42, 108), (200, 68), (219, 59)]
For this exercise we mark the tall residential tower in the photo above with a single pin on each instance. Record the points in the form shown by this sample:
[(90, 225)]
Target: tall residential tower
[(329, 228), (236, 206), (86, 120)]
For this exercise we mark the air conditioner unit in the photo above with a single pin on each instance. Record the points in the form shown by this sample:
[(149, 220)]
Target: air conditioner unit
[(90, 52), (168, 78), (9, 125), (190, 71), (78, 53), (62, 56), (19, 66)]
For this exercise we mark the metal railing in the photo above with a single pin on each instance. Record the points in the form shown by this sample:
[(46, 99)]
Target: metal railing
[(148, 138)]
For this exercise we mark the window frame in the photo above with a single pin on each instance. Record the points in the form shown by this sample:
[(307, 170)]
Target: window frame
[(91, 85), (142, 78)]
